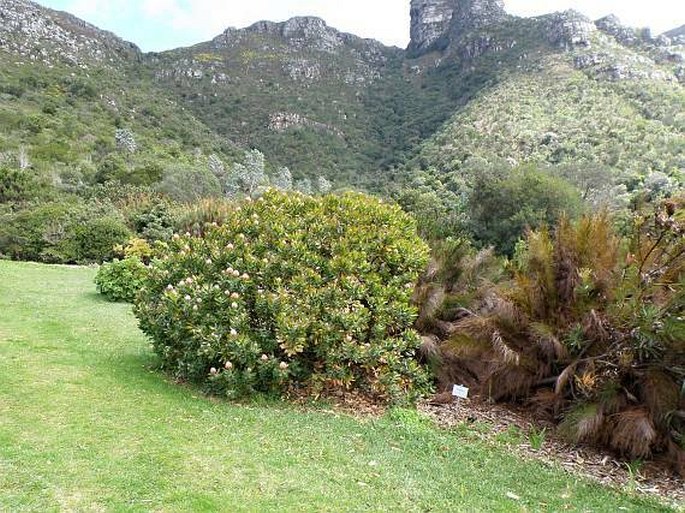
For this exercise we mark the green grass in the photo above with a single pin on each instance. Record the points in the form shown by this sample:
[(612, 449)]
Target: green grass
[(85, 425)]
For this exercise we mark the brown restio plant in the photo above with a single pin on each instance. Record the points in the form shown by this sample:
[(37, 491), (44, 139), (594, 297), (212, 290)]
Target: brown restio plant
[(591, 328)]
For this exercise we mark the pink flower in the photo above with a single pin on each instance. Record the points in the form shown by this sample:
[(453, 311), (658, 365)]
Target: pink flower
[(228, 366), (213, 371)]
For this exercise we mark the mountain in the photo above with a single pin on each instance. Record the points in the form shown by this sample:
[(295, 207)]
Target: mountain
[(49, 37), (475, 85), (295, 90), (68, 88), (559, 91), (676, 32), (312, 98)]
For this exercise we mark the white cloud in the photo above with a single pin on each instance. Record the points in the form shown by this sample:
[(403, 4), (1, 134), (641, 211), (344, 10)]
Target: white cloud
[(160, 8), (89, 9)]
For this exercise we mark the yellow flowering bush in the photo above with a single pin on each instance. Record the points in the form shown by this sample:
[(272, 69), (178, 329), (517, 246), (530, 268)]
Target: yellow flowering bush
[(291, 292)]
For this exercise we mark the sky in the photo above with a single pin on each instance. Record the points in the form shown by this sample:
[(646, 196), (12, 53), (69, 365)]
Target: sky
[(156, 25)]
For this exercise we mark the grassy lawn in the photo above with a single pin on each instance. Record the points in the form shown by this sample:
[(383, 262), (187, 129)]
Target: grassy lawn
[(85, 425)]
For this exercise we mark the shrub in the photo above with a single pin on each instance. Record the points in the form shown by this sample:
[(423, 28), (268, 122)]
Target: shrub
[(291, 291), (19, 185), (95, 239), (195, 217), (63, 233), (121, 280), (154, 221), (37, 233), (146, 212), (185, 183), (592, 329), (503, 206), (137, 248)]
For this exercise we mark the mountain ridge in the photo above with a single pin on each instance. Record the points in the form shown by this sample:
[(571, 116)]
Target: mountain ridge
[(322, 101)]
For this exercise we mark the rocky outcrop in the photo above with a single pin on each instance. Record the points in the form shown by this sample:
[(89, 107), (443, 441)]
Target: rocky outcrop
[(50, 37), (430, 23), (301, 33), (676, 35), (570, 29), (610, 66), (437, 23), (282, 121), (627, 36)]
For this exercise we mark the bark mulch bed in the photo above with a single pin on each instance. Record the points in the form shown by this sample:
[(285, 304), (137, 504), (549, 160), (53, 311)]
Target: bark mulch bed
[(514, 424)]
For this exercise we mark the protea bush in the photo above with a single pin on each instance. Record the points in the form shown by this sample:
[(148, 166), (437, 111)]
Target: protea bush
[(291, 293), (591, 327)]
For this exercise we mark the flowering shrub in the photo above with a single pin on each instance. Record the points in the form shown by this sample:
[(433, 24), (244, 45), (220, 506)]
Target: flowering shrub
[(291, 291)]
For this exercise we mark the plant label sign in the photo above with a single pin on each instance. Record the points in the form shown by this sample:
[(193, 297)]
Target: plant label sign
[(460, 391)]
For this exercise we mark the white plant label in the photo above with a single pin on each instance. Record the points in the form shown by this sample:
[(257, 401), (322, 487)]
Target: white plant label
[(460, 391)]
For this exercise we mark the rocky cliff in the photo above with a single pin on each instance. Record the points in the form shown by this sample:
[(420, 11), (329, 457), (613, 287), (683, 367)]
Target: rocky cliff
[(436, 23)]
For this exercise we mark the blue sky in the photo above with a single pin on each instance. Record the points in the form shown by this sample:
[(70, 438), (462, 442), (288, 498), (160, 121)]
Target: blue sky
[(163, 24)]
